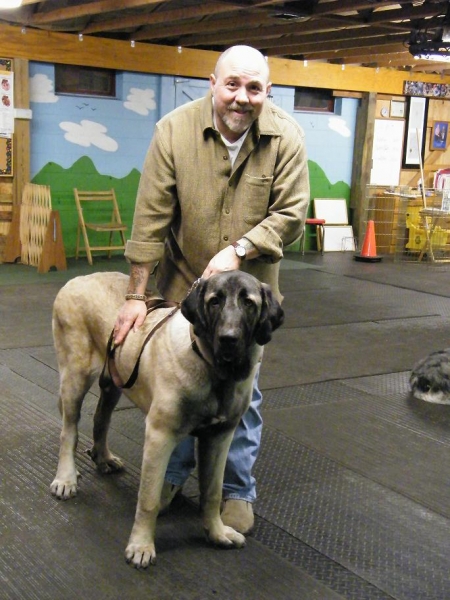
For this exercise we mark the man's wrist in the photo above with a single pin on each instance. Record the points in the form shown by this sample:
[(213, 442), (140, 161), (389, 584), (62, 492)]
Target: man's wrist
[(141, 297), (248, 251)]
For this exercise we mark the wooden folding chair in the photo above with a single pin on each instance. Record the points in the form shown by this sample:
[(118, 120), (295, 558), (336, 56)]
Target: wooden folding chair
[(98, 212)]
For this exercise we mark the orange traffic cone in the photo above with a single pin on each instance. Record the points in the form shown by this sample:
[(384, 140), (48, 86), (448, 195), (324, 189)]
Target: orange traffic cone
[(369, 249)]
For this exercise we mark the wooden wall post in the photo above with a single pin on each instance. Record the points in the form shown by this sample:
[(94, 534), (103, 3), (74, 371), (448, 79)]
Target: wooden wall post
[(21, 137), (362, 160)]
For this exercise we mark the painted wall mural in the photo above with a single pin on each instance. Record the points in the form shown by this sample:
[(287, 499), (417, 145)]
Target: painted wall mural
[(98, 143)]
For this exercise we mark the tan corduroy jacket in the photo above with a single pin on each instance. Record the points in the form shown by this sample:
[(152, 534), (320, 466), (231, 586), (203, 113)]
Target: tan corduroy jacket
[(191, 204)]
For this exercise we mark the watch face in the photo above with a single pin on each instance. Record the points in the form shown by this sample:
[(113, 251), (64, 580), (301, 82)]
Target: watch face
[(240, 251)]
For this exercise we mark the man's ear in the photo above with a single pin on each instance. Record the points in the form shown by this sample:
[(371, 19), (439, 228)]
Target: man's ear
[(271, 317)]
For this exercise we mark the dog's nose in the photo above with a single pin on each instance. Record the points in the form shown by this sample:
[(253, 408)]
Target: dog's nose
[(228, 345), (228, 340)]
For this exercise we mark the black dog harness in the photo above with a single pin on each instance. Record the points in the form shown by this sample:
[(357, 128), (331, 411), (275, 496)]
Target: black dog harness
[(110, 373)]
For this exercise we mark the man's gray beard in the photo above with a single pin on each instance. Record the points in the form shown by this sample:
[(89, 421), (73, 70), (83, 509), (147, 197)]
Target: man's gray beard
[(237, 127)]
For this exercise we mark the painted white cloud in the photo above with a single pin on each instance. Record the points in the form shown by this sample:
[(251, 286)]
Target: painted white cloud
[(88, 133), (41, 89), (140, 101), (339, 126)]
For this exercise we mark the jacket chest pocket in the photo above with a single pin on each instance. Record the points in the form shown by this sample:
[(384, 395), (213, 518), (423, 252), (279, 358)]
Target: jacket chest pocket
[(256, 197)]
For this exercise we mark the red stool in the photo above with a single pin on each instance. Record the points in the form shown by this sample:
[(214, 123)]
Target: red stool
[(317, 223)]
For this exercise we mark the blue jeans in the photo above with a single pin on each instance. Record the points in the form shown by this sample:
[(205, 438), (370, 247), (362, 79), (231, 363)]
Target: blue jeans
[(239, 482)]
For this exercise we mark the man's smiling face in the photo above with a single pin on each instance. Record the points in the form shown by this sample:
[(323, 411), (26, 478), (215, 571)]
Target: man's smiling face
[(239, 88)]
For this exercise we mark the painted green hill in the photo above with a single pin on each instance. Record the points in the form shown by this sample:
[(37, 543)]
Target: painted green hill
[(83, 175), (321, 187)]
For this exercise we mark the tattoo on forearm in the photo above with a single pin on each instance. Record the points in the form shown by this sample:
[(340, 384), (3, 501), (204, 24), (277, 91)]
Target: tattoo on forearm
[(138, 275)]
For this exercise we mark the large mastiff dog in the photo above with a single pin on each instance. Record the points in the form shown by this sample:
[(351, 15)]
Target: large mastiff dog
[(195, 377)]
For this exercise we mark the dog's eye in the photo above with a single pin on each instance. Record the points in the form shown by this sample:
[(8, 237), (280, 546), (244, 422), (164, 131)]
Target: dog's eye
[(248, 302), (214, 301), (424, 384)]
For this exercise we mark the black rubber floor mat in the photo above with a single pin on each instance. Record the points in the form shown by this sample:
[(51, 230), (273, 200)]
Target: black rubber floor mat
[(307, 355), (74, 549), (389, 541)]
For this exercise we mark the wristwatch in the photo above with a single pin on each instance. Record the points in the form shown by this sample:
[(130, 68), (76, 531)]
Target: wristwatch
[(240, 250)]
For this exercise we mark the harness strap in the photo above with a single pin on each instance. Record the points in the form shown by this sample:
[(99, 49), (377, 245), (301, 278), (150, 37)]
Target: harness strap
[(110, 372)]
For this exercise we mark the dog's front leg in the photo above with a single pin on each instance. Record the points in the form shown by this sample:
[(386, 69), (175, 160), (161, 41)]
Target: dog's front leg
[(212, 456), (158, 447)]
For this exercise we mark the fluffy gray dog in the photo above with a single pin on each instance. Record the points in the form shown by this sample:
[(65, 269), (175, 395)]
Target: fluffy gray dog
[(430, 378)]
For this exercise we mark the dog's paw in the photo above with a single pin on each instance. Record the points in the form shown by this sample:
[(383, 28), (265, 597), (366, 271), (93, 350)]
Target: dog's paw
[(63, 489), (228, 538), (106, 464), (140, 556)]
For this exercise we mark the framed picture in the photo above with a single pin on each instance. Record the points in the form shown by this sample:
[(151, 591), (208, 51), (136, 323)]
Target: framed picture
[(439, 135), (414, 142)]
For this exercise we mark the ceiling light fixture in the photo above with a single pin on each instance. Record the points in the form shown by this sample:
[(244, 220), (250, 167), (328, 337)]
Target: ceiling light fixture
[(432, 42), (8, 4), (436, 51)]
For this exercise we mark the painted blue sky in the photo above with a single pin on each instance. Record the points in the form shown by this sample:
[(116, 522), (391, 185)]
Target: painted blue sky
[(114, 133)]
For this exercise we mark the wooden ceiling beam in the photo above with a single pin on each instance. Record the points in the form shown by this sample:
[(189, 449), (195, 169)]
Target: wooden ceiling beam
[(156, 18), (345, 6), (360, 55), (345, 39), (87, 10), (339, 52), (324, 27), (155, 32), (216, 26)]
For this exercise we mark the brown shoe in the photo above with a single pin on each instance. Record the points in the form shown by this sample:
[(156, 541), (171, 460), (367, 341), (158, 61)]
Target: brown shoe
[(238, 514), (168, 493)]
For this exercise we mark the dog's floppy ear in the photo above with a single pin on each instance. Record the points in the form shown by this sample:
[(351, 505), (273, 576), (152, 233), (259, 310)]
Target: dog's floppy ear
[(272, 316), (193, 307)]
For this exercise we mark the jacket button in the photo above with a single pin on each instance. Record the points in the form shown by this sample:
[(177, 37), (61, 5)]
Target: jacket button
[(225, 157), (225, 237)]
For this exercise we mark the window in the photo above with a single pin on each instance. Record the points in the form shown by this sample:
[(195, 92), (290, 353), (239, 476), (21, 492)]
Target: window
[(85, 81), (313, 100)]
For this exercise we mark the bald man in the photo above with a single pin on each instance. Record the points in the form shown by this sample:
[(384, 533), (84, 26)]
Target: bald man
[(224, 186)]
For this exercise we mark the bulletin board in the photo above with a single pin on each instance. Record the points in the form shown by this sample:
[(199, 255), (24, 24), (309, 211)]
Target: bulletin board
[(6, 143)]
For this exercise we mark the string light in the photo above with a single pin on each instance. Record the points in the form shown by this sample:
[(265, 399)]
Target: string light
[(305, 63), (179, 49), (80, 37), (133, 43)]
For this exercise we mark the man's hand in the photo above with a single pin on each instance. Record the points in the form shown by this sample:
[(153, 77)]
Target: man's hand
[(131, 316), (225, 260), (133, 312)]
